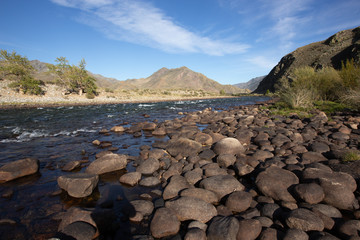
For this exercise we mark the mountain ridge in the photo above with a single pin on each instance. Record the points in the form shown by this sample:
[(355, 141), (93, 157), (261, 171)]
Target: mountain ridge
[(338, 48)]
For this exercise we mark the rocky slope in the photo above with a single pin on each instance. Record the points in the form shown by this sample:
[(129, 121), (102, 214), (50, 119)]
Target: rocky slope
[(328, 53), (252, 84)]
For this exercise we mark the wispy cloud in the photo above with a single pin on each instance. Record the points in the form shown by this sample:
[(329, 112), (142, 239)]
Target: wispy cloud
[(141, 23), (262, 62)]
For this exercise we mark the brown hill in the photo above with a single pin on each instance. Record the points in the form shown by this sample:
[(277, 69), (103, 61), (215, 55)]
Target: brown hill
[(163, 79), (331, 52), (182, 78)]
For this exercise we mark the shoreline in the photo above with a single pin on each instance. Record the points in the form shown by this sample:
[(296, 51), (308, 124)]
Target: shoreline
[(91, 102)]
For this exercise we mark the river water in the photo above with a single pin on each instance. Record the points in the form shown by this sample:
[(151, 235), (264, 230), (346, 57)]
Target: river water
[(58, 135)]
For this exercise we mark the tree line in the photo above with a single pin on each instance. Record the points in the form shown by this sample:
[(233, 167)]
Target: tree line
[(74, 78)]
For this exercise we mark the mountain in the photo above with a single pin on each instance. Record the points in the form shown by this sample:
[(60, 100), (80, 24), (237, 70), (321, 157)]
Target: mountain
[(178, 78), (331, 52), (182, 78), (252, 84)]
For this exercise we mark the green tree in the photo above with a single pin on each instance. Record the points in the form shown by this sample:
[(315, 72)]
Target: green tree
[(17, 68), (74, 78)]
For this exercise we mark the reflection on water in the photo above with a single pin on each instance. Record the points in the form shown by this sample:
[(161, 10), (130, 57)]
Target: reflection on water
[(58, 135)]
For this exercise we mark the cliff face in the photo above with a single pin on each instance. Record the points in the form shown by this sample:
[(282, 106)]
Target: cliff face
[(331, 52)]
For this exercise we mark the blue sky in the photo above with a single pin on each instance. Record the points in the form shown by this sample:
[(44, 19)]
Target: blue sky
[(230, 41)]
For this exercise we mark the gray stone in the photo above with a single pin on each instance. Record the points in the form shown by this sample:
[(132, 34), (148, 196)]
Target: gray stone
[(223, 228), (183, 146), (249, 229), (78, 185), (311, 193), (80, 230), (107, 163), (305, 220), (222, 185), (176, 184), (149, 182), (229, 146), (131, 178), (149, 166), (295, 234), (238, 201), (226, 160), (19, 168), (195, 234)]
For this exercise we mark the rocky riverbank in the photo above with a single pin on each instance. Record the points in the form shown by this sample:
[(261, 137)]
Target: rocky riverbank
[(246, 175)]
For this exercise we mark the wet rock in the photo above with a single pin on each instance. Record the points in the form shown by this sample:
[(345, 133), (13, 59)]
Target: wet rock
[(79, 230), (249, 229), (161, 131), (200, 193), (275, 182), (20, 168), (117, 129), (226, 160), (222, 185), (311, 193), (75, 214), (176, 184), (295, 234), (149, 126), (164, 223), (149, 182), (305, 220), (149, 166), (229, 146), (238, 201), (223, 228), (188, 208), (71, 166), (195, 234), (131, 178), (78, 185), (108, 163), (96, 142), (183, 146)]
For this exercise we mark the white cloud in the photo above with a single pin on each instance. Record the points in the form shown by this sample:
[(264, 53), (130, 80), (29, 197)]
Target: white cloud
[(141, 23)]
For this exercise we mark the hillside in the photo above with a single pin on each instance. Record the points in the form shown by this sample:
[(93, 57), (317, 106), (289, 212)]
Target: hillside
[(328, 53), (252, 84), (163, 79)]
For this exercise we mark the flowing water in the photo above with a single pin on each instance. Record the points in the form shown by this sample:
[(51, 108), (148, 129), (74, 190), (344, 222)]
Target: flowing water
[(58, 135)]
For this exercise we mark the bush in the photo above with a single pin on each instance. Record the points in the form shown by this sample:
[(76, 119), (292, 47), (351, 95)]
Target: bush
[(351, 156)]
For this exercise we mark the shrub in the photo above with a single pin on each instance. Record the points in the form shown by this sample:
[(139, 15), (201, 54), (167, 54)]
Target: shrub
[(351, 156), (28, 85)]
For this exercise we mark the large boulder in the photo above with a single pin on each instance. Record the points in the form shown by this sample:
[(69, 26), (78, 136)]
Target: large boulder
[(164, 223), (107, 163), (188, 208), (310, 192), (183, 146), (78, 185), (229, 146), (274, 182), (222, 185), (19, 168)]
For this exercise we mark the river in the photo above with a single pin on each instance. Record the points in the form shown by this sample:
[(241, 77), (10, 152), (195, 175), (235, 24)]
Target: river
[(58, 135)]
